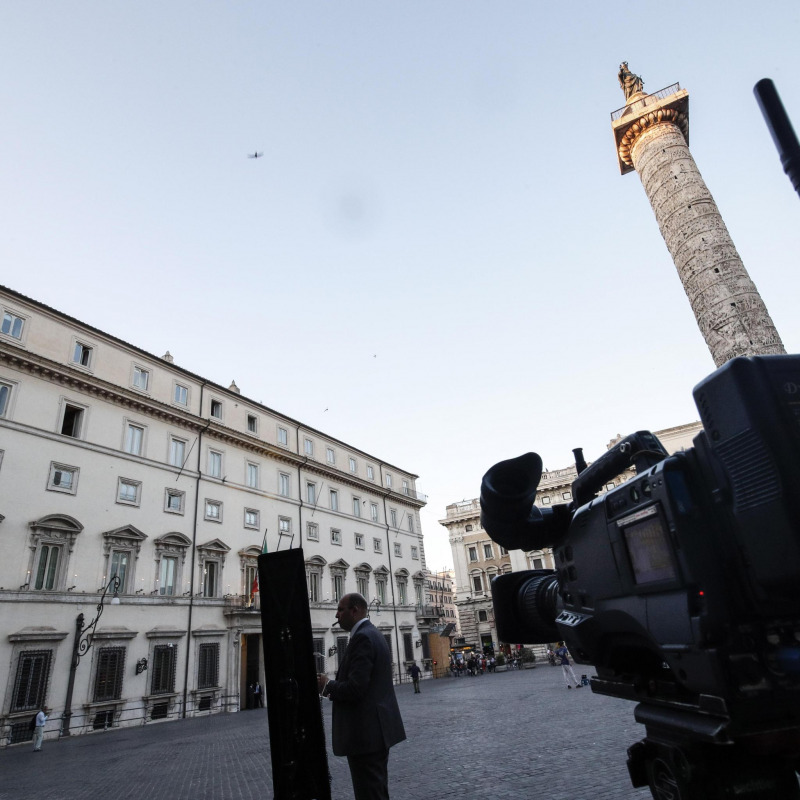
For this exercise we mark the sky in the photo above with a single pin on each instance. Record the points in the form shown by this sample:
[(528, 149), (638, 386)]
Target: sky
[(436, 260)]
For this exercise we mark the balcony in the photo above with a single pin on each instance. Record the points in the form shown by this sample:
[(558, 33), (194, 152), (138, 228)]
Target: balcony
[(429, 612)]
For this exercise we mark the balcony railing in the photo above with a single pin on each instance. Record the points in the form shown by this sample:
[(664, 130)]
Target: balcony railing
[(243, 602), (639, 106)]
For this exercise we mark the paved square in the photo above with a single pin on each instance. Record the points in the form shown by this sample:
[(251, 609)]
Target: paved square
[(518, 734)]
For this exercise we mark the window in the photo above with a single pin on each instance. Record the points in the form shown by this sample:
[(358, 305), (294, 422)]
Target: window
[(398, 549), (312, 532), (128, 491), (72, 420), (405, 488), (336, 536), (318, 646), (173, 501), (313, 586), (284, 526), (414, 552), (283, 436), (477, 583), (12, 325), (63, 478), (487, 551), (362, 584), (468, 528), (359, 541), (408, 646), (251, 475), (163, 669), (356, 507), (167, 575), (181, 395), (141, 378), (338, 586), (311, 493), (330, 455), (566, 495), (334, 500), (308, 447), (483, 616), (214, 464), (177, 451), (5, 398), (388, 481), (251, 518), (411, 523), (47, 570), (380, 589), (545, 501), (208, 665), (473, 553), (30, 683), (537, 563), (370, 472), (216, 409), (108, 679), (353, 465), (213, 511), (118, 566), (134, 439), (373, 511), (283, 484), (82, 354), (377, 545), (210, 578), (610, 486), (252, 423), (393, 517)]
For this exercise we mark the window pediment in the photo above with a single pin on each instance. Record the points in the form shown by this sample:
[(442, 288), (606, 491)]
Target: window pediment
[(173, 540), (382, 571), (340, 564), (57, 523), (215, 546)]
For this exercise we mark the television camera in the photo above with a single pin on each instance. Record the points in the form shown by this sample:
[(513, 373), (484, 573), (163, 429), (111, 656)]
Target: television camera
[(681, 586)]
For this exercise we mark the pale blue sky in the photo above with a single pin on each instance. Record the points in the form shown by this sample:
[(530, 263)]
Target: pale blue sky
[(439, 187)]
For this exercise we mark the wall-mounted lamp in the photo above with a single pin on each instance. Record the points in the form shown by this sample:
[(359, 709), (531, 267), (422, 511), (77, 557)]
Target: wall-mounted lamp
[(332, 651), (418, 643), (141, 666)]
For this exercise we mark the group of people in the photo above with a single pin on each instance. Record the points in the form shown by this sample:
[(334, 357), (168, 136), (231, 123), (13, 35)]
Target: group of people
[(473, 665)]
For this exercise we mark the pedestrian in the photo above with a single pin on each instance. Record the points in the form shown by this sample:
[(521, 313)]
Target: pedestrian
[(258, 695), (563, 654), (414, 670), (38, 731), (251, 696), (366, 717)]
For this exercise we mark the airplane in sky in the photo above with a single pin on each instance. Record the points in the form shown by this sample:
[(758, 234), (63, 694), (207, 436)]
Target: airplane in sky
[(255, 155)]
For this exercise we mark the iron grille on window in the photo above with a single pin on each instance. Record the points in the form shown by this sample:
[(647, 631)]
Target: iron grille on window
[(164, 658), (108, 683), (208, 667), (408, 647), (30, 685), (426, 646), (388, 638)]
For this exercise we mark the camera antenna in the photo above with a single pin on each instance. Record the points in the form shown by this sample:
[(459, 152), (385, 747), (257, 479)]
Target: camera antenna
[(580, 461), (780, 127)]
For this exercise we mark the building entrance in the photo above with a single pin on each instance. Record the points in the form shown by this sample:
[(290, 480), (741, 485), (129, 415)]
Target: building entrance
[(251, 671)]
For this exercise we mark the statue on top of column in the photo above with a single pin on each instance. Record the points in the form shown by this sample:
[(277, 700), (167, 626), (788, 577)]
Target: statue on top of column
[(631, 84)]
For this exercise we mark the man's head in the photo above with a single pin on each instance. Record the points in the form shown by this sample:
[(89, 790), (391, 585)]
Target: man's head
[(351, 609)]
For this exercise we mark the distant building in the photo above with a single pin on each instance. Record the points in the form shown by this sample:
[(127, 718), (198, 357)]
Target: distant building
[(478, 560), (114, 462)]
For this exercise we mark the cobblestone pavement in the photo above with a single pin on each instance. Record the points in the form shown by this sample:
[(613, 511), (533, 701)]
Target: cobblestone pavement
[(518, 734)]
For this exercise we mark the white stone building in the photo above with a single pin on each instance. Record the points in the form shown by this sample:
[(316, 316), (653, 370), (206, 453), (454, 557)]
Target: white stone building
[(114, 462)]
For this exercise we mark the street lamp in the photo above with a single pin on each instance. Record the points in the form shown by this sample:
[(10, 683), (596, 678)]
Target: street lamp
[(377, 603), (83, 641)]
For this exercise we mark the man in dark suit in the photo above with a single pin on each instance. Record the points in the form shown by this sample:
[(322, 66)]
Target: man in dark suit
[(366, 717)]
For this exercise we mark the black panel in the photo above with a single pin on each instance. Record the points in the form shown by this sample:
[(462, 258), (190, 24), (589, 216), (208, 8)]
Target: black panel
[(296, 734)]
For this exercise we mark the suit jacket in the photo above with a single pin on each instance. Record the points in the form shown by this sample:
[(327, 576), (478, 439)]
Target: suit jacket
[(366, 716)]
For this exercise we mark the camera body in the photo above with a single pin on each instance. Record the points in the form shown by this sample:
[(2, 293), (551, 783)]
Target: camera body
[(682, 585)]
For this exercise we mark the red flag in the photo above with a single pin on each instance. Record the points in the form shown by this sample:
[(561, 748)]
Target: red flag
[(254, 587)]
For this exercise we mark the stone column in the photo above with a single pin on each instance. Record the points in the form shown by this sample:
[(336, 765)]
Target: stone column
[(652, 138)]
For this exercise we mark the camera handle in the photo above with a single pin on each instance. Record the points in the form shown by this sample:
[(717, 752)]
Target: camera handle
[(641, 450)]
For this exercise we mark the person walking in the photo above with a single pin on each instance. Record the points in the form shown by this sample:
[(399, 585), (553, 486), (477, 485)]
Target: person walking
[(38, 731), (366, 717), (258, 695), (563, 654), (415, 671)]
